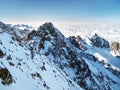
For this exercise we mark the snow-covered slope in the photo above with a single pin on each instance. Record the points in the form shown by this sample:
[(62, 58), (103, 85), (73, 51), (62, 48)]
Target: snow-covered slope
[(25, 72), (72, 55), (45, 59)]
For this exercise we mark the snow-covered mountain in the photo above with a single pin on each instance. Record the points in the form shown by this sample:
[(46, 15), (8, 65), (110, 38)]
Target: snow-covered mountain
[(44, 59)]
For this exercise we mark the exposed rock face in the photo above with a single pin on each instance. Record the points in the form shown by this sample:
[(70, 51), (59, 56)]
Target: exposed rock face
[(1, 54), (78, 42), (115, 46), (99, 42), (5, 76), (2, 25)]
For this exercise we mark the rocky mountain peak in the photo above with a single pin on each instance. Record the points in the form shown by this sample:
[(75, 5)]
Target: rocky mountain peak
[(48, 29), (46, 33), (99, 41), (3, 26), (47, 26)]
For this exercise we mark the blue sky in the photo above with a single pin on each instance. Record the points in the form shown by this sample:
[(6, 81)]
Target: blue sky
[(49, 10)]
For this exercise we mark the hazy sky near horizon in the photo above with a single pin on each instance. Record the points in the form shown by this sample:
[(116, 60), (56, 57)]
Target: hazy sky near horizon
[(51, 10)]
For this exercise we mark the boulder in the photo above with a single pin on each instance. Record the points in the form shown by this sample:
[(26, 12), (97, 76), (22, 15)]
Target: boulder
[(5, 76)]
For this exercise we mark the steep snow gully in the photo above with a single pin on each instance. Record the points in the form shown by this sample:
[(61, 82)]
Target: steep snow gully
[(44, 59)]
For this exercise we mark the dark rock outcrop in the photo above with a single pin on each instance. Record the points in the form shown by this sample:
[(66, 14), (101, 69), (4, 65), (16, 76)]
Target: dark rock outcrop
[(5, 76), (115, 46), (78, 42), (1, 54), (99, 42)]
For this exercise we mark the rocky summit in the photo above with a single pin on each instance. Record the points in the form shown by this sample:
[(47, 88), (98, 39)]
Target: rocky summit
[(44, 59)]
